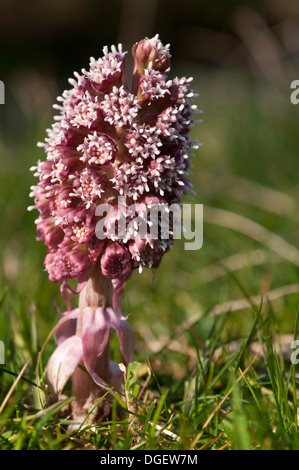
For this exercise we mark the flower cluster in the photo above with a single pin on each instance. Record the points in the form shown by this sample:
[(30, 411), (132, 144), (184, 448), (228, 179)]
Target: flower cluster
[(109, 141)]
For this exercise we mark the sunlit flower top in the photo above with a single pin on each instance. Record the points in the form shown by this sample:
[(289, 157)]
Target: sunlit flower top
[(109, 140)]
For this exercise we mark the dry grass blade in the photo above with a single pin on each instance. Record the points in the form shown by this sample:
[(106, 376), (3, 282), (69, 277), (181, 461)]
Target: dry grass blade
[(212, 441), (232, 263), (250, 193), (230, 306), (253, 230), (12, 388), (217, 408), (241, 304), (257, 195), (261, 45), (166, 432)]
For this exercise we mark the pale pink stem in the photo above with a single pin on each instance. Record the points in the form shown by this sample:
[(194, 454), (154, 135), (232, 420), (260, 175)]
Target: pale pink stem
[(96, 293)]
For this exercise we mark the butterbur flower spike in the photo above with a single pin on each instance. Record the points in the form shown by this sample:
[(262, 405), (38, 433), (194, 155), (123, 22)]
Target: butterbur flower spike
[(108, 142)]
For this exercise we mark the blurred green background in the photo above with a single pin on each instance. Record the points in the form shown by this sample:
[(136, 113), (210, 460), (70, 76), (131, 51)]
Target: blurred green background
[(243, 57)]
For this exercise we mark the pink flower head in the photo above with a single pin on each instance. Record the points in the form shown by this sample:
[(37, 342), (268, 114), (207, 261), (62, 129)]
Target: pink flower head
[(143, 141), (116, 261), (98, 149), (150, 51), (147, 252), (108, 70), (70, 260), (109, 140)]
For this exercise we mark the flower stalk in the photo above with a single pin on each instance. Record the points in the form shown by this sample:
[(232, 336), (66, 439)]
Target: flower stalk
[(96, 293)]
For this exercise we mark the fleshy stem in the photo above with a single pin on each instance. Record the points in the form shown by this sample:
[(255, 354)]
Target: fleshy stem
[(96, 293)]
